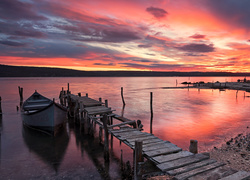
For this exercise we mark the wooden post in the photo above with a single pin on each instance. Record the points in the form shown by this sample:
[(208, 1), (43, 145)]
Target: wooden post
[(100, 134), (17, 108), (100, 99), (121, 160), (151, 110), (106, 103), (79, 94), (61, 97), (106, 137), (138, 159), (87, 95), (68, 89), (122, 96), (1, 106), (65, 98), (21, 95), (193, 148)]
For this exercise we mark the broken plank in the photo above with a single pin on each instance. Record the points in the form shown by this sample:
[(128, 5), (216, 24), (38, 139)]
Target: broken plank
[(240, 175), (120, 124), (162, 151), (190, 167), (198, 171), (181, 162), (170, 157), (159, 146)]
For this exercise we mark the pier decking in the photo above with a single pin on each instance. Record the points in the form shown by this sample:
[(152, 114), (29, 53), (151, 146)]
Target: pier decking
[(167, 157)]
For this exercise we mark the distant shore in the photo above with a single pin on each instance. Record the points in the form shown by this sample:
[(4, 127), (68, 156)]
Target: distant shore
[(26, 71)]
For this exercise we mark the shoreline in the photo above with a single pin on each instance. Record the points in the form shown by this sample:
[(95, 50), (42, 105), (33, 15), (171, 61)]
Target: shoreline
[(235, 153)]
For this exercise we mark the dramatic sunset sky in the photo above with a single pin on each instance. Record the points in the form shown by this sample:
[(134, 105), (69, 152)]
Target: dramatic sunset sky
[(148, 35)]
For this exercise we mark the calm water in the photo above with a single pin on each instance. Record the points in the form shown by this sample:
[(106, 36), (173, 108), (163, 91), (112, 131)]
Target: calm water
[(209, 116)]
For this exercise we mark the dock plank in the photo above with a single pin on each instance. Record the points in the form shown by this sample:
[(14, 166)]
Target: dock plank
[(198, 171), (159, 146), (126, 132), (240, 175), (170, 157), (181, 162), (138, 138), (162, 151), (190, 167), (149, 141)]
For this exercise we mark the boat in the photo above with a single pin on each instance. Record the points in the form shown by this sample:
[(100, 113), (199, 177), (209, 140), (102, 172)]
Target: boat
[(41, 113)]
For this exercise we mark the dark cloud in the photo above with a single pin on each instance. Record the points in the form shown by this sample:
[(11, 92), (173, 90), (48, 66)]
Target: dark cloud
[(12, 43), (144, 45), (17, 10), (197, 48), (18, 29), (197, 36), (235, 12), (157, 12), (103, 64)]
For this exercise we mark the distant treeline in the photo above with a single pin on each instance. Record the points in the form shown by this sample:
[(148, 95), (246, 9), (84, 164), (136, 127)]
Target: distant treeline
[(24, 71)]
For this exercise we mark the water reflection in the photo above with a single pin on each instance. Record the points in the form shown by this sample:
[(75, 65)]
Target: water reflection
[(50, 149), (90, 145)]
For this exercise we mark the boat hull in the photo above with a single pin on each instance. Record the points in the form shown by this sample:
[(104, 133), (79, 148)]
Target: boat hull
[(50, 119)]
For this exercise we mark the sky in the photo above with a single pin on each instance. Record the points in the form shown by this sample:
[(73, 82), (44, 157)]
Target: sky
[(141, 35)]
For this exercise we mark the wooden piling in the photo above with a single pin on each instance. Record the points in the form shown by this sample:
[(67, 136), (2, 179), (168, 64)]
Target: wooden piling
[(106, 103), (79, 94), (87, 95), (20, 90), (68, 89), (1, 106), (193, 148), (100, 99), (100, 134), (138, 160), (106, 137), (151, 110), (122, 96)]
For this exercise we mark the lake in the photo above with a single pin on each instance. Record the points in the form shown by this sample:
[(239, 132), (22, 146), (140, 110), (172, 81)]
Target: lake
[(209, 116)]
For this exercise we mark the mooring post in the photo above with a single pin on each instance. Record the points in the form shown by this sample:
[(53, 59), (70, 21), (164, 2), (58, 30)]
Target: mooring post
[(61, 97), (100, 99), (151, 110), (106, 103), (87, 95), (1, 106), (138, 160), (79, 94), (122, 96), (121, 160), (100, 134), (21, 95), (68, 89), (106, 137), (193, 148), (65, 98)]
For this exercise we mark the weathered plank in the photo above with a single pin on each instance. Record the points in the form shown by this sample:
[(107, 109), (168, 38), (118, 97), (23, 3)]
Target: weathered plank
[(140, 138), (240, 175), (128, 132), (121, 124), (148, 141), (198, 171), (124, 137), (159, 146), (122, 130), (162, 151), (190, 167), (181, 162), (170, 157)]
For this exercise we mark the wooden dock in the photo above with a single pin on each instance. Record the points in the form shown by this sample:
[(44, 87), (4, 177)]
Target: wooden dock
[(167, 157)]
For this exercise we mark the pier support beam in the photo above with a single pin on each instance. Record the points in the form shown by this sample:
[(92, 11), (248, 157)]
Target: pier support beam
[(106, 137), (138, 160)]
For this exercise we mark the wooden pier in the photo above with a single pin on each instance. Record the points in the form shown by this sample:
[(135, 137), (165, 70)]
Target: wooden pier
[(167, 157)]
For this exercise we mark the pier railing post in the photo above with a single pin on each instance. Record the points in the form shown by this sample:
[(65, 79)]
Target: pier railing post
[(106, 103), (106, 137), (138, 159), (193, 148)]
